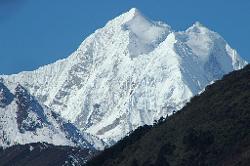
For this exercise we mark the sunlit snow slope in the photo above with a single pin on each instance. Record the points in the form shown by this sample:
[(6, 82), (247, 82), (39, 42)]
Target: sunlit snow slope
[(129, 73)]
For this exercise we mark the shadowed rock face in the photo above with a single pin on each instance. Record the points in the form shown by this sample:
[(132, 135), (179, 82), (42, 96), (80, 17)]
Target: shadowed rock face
[(6, 97), (26, 104)]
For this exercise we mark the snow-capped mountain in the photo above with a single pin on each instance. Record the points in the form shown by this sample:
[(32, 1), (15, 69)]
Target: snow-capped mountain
[(24, 120), (130, 73)]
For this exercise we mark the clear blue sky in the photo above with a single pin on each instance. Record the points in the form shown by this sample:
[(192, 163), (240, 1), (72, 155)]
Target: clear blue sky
[(38, 32)]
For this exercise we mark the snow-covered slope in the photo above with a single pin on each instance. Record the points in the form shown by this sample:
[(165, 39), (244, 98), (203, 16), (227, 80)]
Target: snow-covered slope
[(129, 73), (24, 120)]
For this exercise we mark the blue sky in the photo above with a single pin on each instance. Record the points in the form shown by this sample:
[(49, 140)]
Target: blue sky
[(38, 32)]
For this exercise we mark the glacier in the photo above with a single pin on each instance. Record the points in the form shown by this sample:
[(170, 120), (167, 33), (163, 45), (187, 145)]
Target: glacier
[(129, 73)]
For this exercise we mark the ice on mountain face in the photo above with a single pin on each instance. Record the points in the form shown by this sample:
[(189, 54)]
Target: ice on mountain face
[(130, 73), (145, 35), (210, 50)]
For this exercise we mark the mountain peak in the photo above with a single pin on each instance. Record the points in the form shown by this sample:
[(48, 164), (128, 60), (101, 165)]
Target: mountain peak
[(198, 27), (132, 14), (134, 11), (140, 34), (198, 24)]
